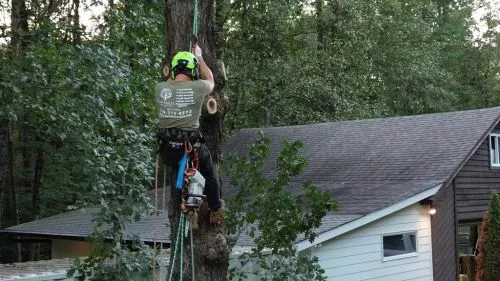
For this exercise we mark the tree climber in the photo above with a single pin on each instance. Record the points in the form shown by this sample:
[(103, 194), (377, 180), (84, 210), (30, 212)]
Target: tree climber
[(179, 101)]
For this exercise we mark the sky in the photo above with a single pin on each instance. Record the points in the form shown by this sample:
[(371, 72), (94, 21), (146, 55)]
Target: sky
[(478, 14), (87, 16)]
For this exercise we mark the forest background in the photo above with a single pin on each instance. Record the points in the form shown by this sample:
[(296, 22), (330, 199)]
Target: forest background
[(77, 113)]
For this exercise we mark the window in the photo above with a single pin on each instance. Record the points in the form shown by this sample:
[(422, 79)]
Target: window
[(400, 245), (494, 150), (468, 234)]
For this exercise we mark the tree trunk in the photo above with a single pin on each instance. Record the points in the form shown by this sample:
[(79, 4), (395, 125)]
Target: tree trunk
[(19, 26), (18, 43), (14, 208), (77, 34), (25, 183), (37, 184), (3, 171), (240, 97), (320, 26), (211, 249), (36, 199)]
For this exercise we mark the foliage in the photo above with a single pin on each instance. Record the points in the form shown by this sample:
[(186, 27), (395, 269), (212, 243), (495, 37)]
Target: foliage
[(492, 256), (271, 215), (88, 108), (121, 262), (344, 59), (480, 252), (81, 103), (487, 257)]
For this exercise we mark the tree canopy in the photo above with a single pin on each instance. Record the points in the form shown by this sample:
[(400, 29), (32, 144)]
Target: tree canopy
[(77, 114)]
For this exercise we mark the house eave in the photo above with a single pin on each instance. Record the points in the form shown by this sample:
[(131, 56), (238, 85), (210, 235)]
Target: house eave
[(19, 236), (327, 235), (16, 234)]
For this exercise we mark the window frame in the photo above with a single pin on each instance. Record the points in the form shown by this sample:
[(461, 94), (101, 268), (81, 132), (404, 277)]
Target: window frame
[(493, 155), (401, 256)]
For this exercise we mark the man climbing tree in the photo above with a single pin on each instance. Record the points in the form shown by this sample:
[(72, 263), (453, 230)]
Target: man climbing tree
[(179, 101), (183, 18)]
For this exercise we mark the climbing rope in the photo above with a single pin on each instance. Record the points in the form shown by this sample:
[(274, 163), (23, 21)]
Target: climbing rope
[(179, 243), (195, 26), (155, 214)]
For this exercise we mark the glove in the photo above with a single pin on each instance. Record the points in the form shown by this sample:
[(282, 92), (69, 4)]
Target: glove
[(196, 50)]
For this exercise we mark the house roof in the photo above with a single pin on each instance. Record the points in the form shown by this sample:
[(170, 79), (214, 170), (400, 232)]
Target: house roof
[(79, 224), (371, 164)]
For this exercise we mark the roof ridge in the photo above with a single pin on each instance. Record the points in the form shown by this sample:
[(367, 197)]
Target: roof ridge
[(375, 119)]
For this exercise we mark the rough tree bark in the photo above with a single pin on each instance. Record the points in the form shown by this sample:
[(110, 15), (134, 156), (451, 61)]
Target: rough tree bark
[(211, 249), (5, 247), (37, 193), (3, 170), (18, 43), (13, 186), (320, 25), (19, 25), (77, 34)]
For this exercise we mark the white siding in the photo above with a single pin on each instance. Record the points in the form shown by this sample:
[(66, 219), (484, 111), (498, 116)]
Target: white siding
[(357, 255)]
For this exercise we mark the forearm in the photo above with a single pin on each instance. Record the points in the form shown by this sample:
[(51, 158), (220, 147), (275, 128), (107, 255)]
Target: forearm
[(205, 72)]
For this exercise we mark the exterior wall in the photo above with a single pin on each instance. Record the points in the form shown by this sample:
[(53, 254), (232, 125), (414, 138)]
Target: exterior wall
[(357, 255), (444, 232), (474, 183), (70, 248)]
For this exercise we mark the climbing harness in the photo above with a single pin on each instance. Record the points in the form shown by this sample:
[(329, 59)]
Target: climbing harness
[(189, 180), (191, 196)]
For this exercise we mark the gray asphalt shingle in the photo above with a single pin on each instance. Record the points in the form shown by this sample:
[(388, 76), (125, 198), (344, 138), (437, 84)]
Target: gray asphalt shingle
[(367, 165), (370, 164), (79, 224)]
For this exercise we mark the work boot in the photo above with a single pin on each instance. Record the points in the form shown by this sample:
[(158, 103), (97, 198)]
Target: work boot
[(216, 217)]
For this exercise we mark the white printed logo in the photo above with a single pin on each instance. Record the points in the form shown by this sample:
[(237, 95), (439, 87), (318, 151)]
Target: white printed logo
[(165, 94)]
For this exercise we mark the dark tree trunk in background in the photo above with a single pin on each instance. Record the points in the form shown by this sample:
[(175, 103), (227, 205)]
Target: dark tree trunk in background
[(320, 25), (25, 183), (36, 199), (6, 248), (245, 16), (19, 26), (14, 211), (18, 43), (77, 34), (3, 171), (211, 249), (37, 184)]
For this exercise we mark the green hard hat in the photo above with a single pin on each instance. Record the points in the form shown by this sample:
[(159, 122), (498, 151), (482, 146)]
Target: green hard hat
[(184, 61)]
